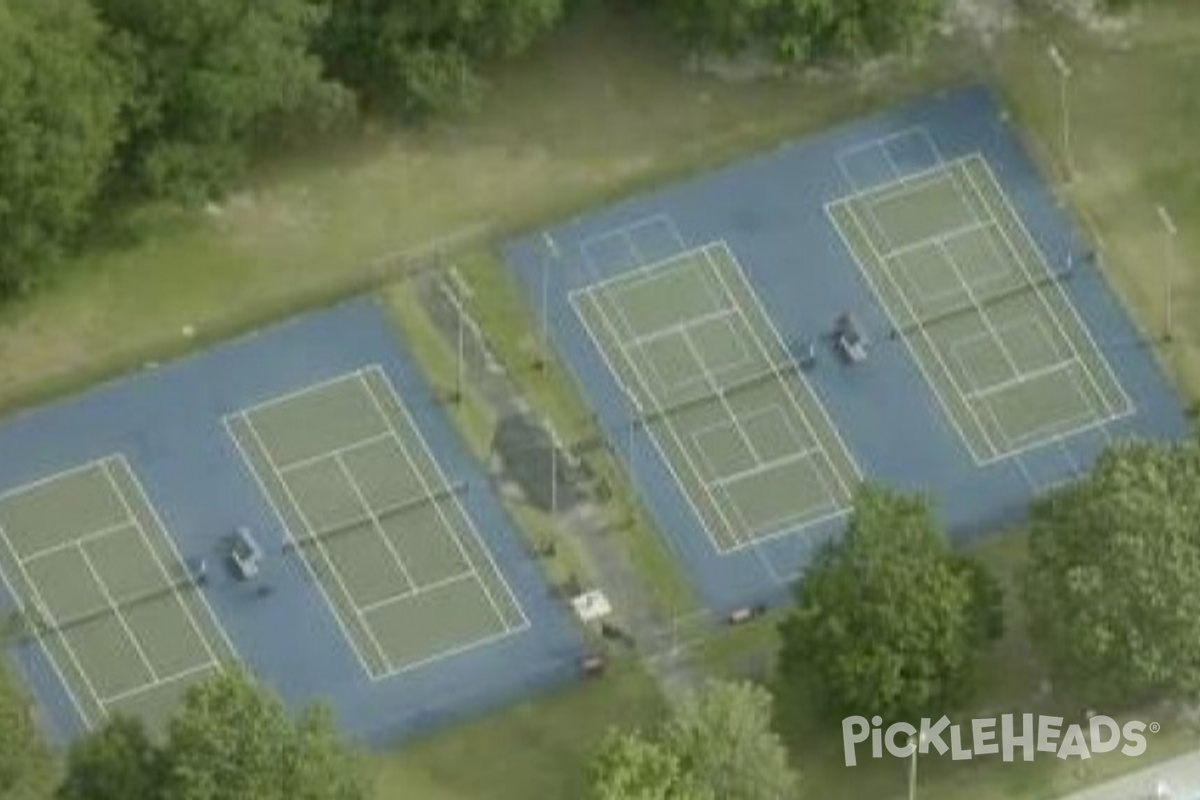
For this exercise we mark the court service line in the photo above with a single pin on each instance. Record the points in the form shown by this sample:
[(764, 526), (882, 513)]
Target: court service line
[(311, 388), (336, 452), (938, 239), (72, 543), (432, 586), (722, 399), (174, 549), (641, 340), (44, 609), (794, 370), (660, 409), (1023, 377), (373, 518), (1074, 312), (169, 679), (116, 611), (881, 297), (320, 545), (290, 536), (19, 599), (441, 475), (48, 479), (146, 542)]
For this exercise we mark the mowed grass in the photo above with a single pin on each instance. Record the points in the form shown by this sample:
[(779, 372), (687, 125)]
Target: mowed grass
[(537, 749), (1134, 117), (598, 110)]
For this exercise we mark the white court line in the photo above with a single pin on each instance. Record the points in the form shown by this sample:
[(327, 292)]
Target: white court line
[(441, 475), (719, 393), (1017, 380), (1046, 269), (432, 586), (287, 532), (336, 452), (311, 388), (882, 188), (170, 540), (146, 542), (333, 569), (794, 369), (984, 314), (47, 479), (639, 273), (120, 615), (680, 326), (689, 462), (45, 648), (939, 239), (71, 544), (373, 518), (44, 609), (623, 230), (917, 359), (178, 676), (768, 466)]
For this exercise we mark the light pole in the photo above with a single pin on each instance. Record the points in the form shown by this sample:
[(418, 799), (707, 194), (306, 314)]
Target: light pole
[(551, 250), (1064, 76), (915, 741), (1170, 234)]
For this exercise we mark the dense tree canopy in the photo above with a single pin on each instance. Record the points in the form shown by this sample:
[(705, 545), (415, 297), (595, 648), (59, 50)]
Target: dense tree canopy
[(59, 126), (1114, 576), (888, 620), (210, 77), (802, 31), (25, 767), (230, 740), (718, 745), (414, 58)]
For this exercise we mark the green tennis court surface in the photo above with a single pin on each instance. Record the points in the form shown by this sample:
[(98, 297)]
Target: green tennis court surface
[(964, 284), (104, 590), (383, 532), (713, 383)]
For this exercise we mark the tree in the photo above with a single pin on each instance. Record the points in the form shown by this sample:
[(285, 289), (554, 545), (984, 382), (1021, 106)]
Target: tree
[(59, 125), (414, 59), (718, 744), (212, 78), (888, 620), (25, 767), (233, 741), (804, 31), (116, 762), (631, 766), (1113, 583)]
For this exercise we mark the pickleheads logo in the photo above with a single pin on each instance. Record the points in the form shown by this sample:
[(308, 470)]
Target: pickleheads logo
[(1030, 734)]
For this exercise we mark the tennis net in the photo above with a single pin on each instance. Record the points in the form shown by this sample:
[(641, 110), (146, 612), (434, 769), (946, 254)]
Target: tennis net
[(776, 372), (368, 521), (978, 304), (40, 622)]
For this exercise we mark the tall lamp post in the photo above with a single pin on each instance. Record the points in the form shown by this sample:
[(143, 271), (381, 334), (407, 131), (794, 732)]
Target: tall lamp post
[(915, 742), (1064, 76), (1170, 234), (550, 252)]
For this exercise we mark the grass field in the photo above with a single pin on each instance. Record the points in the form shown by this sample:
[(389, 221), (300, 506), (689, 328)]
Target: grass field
[(562, 129)]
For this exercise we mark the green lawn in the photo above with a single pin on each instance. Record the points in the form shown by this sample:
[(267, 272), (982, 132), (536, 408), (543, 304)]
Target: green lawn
[(597, 112), (537, 750)]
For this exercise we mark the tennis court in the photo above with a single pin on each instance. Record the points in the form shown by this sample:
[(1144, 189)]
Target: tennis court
[(711, 380), (102, 588), (978, 305), (382, 530)]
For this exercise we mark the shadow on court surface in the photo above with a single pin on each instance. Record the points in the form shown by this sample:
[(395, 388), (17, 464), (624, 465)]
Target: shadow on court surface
[(997, 365), (391, 585)]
